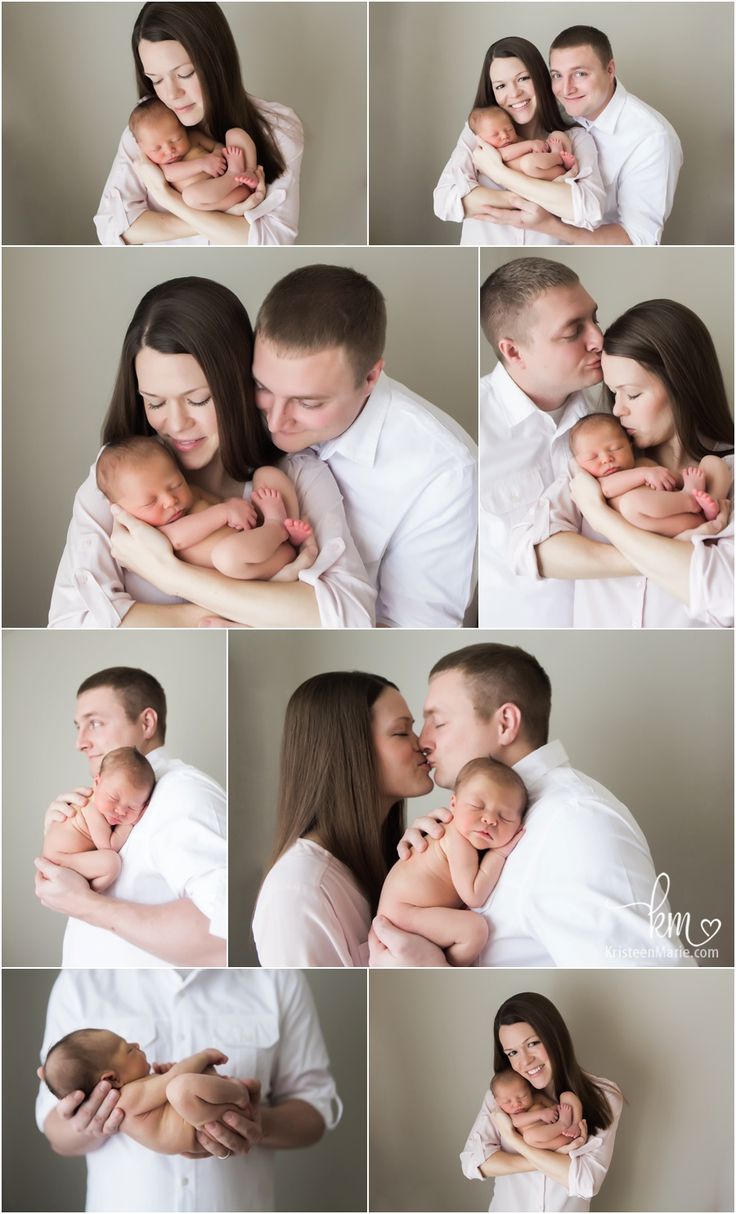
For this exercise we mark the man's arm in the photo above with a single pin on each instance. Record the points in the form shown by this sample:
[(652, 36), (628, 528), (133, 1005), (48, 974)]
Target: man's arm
[(177, 931)]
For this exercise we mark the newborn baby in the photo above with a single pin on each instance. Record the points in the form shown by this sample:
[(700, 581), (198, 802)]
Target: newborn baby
[(540, 1121), (244, 540), (162, 1111), (208, 176), (90, 840), (425, 893), (649, 496), (548, 158)]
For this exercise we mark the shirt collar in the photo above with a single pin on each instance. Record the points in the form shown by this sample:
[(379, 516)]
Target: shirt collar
[(359, 443), (535, 766), (517, 406), (157, 758), (607, 120)]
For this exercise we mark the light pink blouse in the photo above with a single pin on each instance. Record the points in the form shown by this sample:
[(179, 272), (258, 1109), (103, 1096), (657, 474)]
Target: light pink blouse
[(310, 912), (275, 221)]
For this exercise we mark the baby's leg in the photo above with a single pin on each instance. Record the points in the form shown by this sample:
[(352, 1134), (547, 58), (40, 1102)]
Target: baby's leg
[(202, 1098), (548, 1137), (460, 932), (571, 1114), (659, 511), (217, 193), (237, 138), (101, 868), (544, 165), (234, 557), (711, 485)]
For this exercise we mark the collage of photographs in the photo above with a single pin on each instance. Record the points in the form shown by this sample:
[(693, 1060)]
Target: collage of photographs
[(371, 589)]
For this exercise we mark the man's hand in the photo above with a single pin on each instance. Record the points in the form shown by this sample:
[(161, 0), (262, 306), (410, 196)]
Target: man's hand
[(392, 948), (236, 1133), (524, 215), (94, 1119), (65, 806), (61, 889), (659, 478), (414, 837)]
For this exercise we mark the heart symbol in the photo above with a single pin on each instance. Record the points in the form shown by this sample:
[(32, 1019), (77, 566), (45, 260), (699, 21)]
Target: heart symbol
[(707, 925)]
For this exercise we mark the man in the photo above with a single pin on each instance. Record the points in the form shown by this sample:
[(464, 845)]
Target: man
[(639, 153), (168, 905), (405, 469), (543, 325), (576, 889), (263, 1020)]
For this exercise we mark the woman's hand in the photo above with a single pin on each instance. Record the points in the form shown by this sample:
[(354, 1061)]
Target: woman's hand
[(414, 837), (714, 527), (306, 556), (154, 181), (588, 496), (487, 160), (143, 549), (258, 194), (580, 1141), (503, 1124)]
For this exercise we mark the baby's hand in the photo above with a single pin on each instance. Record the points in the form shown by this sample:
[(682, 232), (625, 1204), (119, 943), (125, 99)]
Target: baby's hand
[(507, 848), (539, 145), (549, 1116), (215, 1057), (213, 163), (240, 515), (659, 478)]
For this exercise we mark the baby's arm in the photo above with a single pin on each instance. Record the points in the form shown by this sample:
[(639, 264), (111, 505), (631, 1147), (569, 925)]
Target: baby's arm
[(650, 475), (99, 829), (193, 528), (120, 834), (533, 1116), (143, 1095), (515, 150)]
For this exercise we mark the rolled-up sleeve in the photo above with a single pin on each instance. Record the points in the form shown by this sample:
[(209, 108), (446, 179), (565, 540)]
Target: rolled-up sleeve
[(458, 178), (189, 845), (275, 221), (345, 597), (303, 1066), (711, 580), (588, 191), (124, 197), (589, 1164), (555, 511), (482, 1141)]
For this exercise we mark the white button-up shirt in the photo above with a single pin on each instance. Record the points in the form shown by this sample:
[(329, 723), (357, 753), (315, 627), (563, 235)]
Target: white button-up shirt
[(275, 221), (460, 176), (311, 912), (178, 849), (266, 1024), (631, 602), (528, 1191), (92, 591), (407, 473), (522, 451), (565, 894), (640, 158)]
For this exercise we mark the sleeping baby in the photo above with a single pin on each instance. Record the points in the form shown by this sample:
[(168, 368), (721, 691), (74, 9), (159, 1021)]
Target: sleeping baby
[(540, 1121)]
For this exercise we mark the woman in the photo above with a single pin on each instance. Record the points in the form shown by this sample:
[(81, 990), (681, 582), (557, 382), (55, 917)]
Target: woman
[(515, 77), (532, 1039), (185, 54), (185, 375), (349, 757), (665, 384)]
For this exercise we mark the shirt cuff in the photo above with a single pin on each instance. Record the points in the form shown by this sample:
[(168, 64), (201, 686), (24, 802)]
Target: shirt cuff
[(273, 199), (523, 540)]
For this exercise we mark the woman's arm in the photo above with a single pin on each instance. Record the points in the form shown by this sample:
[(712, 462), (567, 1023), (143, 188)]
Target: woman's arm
[(457, 180), (124, 214), (554, 196), (586, 192), (554, 1164)]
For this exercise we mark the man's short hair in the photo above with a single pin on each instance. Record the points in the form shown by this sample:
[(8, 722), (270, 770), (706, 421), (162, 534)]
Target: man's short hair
[(150, 108), (504, 674), (136, 690), (584, 35), (116, 455), (321, 307), (132, 763), (75, 1063), (507, 295)]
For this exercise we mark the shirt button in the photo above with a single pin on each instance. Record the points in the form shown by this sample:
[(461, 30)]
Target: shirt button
[(184, 1182)]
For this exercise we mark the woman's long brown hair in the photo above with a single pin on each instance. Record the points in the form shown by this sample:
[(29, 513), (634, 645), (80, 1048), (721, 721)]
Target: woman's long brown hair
[(548, 110), (203, 31), (329, 777), (541, 1015)]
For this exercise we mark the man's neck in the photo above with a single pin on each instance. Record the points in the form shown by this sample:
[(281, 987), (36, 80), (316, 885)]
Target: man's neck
[(609, 99), (547, 398)]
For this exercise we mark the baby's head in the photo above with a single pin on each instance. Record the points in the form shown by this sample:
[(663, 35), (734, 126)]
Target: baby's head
[(142, 476), (123, 786), (80, 1060), (493, 125), (513, 1093), (601, 445), (158, 132), (488, 803)]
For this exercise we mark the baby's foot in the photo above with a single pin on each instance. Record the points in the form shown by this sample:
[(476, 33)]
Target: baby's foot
[(235, 159), (568, 160), (297, 530), (248, 179), (707, 504), (554, 143), (564, 1123), (271, 505), (692, 479)]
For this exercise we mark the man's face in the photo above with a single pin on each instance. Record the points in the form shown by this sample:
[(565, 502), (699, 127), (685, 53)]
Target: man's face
[(102, 725), (308, 398), (453, 734), (580, 82), (559, 350)]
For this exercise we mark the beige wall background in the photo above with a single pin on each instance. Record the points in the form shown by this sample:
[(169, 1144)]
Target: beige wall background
[(621, 704), (69, 86), (41, 674), (66, 312), (702, 279), (425, 64), (664, 1036), (328, 1176)]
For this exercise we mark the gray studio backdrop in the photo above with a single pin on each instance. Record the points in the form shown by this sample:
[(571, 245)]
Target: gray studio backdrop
[(41, 674), (621, 704), (425, 66), (328, 1176), (60, 360), (69, 87), (702, 279), (665, 1037)]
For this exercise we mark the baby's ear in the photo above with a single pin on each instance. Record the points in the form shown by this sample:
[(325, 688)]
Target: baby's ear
[(453, 801), (41, 1073), (111, 1078), (95, 780)]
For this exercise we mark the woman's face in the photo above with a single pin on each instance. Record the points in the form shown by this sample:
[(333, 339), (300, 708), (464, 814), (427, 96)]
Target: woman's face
[(513, 89), (171, 72), (524, 1050), (179, 405), (642, 402), (403, 770)]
